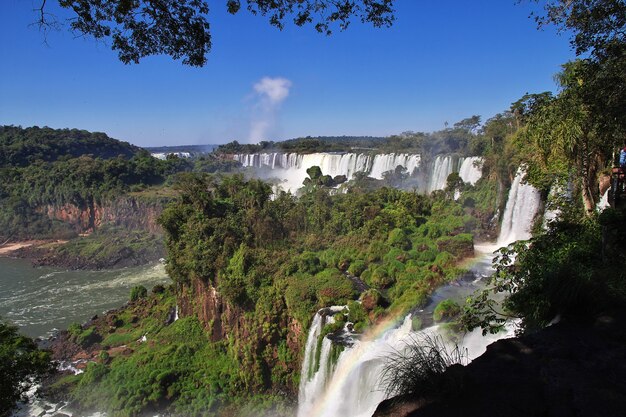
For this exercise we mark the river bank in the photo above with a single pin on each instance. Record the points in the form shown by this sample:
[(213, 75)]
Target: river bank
[(110, 248)]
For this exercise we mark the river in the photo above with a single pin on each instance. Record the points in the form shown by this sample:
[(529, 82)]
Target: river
[(40, 300)]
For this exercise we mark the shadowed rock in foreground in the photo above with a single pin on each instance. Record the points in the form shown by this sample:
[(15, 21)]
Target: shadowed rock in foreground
[(569, 369)]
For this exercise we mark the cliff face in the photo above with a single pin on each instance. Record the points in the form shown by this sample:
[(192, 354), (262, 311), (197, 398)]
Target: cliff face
[(128, 212), (569, 369), (266, 341), (216, 315)]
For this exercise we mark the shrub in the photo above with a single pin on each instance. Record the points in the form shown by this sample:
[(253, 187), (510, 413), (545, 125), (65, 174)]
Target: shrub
[(398, 239), (357, 267), (381, 279), (419, 368), (138, 292), (446, 310), (74, 329)]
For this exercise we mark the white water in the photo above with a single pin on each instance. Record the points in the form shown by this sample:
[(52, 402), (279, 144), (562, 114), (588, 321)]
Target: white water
[(521, 207), (351, 387), (442, 167), (290, 168), (470, 169)]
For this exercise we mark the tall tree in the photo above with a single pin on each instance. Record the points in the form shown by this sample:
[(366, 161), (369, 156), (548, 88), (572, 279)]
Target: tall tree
[(180, 28), (564, 135)]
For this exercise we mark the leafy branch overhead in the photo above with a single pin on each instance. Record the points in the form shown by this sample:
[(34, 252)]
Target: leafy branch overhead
[(181, 29), (596, 25)]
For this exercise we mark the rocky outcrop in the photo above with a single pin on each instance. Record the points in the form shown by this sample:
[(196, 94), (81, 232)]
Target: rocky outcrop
[(201, 299), (569, 369), (256, 336), (129, 212)]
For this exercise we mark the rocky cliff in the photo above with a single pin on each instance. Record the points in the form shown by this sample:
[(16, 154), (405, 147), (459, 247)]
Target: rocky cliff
[(126, 211), (569, 369), (266, 341)]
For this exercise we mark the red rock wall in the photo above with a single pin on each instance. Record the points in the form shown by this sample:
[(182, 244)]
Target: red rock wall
[(126, 212)]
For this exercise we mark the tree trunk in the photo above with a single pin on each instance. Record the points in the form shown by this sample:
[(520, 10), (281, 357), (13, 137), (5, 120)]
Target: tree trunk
[(587, 195)]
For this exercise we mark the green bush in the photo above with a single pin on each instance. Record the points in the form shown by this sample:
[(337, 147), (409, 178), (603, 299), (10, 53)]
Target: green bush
[(446, 310), (357, 267), (138, 292), (419, 368)]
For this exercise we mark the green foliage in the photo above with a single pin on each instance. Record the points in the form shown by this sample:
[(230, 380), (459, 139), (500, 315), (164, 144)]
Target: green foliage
[(75, 329), (446, 310), (20, 147), (567, 271), (138, 292), (41, 167), (22, 366), (274, 260), (181, 29)]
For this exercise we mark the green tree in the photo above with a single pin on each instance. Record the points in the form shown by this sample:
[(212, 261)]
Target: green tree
[(180, 28), (565, 135), (595, 25), (22, 365)]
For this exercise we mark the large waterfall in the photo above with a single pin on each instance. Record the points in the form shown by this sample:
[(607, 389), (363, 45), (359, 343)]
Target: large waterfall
[(521, 207), (350, 387), (290, 168)]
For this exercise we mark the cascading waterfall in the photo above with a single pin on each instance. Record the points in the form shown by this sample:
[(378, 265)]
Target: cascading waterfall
[(290, 168), (314, 382), (470, 169), (443, 166), (521, 207), (350, 387)]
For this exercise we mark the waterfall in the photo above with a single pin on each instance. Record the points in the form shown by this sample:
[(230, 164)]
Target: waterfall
[(290, 168), (351, 386), (521, 208), (470, 169), (442, 167), (389, 162), (313, 383)]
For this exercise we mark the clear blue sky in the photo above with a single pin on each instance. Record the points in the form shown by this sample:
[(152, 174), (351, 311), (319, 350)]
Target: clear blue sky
[(441, 61)]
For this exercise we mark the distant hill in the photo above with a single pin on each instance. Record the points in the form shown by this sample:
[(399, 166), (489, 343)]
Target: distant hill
[(191, 149), (23, 146)]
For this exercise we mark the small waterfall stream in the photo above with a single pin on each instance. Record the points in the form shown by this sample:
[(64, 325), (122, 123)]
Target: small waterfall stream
[(350, 387), (521, 207)]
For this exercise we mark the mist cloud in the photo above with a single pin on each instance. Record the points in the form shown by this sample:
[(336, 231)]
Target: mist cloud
[(269, 94)]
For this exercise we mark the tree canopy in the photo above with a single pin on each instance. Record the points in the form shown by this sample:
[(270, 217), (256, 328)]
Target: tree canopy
[(181, 29), (22, 365), (596, 25)]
